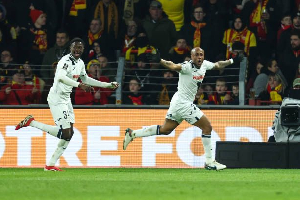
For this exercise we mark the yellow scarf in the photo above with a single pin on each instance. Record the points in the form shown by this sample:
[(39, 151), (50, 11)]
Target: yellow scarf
[(92, 37), (197, 33), (77, 5), (112, 16)]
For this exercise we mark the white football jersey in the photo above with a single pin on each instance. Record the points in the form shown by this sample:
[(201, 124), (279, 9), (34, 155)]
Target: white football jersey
[(189, 76), (72, 68)]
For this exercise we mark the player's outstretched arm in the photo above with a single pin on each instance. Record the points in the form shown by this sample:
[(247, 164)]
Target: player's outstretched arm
[(93, 82), (170, 65), (155, 58), (221, 64)]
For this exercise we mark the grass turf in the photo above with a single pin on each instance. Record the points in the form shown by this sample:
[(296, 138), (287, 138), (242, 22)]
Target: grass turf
[(141, 184)]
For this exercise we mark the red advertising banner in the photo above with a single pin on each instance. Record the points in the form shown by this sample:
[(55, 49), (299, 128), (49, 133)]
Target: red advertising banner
[(99, 133)]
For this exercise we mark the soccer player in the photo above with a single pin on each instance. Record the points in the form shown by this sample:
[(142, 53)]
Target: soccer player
[(69, 69), (181, 107)]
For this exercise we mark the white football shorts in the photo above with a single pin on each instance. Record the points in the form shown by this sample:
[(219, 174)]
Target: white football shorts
[(179, 111), (63, 114)]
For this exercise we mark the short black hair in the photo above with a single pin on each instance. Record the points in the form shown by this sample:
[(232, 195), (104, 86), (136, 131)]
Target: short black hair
[(77, 39)]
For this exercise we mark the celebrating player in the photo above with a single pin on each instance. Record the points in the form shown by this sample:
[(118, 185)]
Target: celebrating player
[(181, 107), (69, 69)]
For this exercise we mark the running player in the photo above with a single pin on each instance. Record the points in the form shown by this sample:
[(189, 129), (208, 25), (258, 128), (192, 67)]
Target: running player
[(181, 107), (69, 69)]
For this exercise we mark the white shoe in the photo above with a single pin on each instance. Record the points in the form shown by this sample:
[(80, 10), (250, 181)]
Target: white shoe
[(128, 138), (214, 165)]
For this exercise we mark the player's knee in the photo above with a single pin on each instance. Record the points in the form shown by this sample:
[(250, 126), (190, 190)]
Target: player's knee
[(207, 129), (165, 132), (67, 134)]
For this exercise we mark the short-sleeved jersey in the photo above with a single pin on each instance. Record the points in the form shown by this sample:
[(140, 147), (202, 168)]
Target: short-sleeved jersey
[(189, 76), (72, 68)]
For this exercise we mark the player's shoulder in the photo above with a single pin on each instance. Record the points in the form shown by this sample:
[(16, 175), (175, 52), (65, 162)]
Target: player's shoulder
[(190, 62)]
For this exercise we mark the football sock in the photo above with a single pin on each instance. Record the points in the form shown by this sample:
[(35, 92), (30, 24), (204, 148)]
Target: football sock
[(61, 147), (52, 130), (206, 140), (145, 132)]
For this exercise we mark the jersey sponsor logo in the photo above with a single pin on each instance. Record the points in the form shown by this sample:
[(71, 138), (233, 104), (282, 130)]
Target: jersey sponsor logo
[(198, 77), (75, 76)]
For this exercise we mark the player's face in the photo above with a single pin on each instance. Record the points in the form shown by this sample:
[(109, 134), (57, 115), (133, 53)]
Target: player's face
[(77, 49), (198, 56)]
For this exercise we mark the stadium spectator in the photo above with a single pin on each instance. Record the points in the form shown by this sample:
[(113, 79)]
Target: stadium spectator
[(143, 72), (128, 38), (182, 107), (7, 64), (96, 33), (132, 95), (234, 95), (34, 80), (179, 52), (250, 83), (69, 69), (160, 29), (262, 79), (175, 11), (217, 17), (262, 17), (54, 54), (274, 89), (198, 33), (107, 12), (165, 89), (141, 45), (221, 96), (201, 97), (33, 40), (8, 33), (17, 92), (295, 91), (48, 84), (232, 71), (99, 96), (286, 22), (240, 33), (96, 52), (290, 59), (107, 69), (284, 42)]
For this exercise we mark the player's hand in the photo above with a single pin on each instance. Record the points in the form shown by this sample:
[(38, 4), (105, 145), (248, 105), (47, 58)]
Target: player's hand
[(86, 88), (154, 58), (114, 85), (238, 58)]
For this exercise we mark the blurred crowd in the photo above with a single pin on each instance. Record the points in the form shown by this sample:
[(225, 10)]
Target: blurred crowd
[(35, 34)]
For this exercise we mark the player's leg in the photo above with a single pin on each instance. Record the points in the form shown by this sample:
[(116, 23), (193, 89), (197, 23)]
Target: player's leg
[(30, 121), (204, 124), (165, 129), (64, 117)]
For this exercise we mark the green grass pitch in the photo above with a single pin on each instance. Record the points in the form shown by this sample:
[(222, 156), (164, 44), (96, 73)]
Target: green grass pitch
[(149, 183)]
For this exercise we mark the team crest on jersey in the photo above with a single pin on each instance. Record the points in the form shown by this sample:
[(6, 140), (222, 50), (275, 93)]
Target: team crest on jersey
[(65, 66)]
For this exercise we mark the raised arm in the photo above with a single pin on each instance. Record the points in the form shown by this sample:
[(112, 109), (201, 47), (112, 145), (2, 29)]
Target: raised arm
[(170, 65), (222, 64), (155, 58)]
